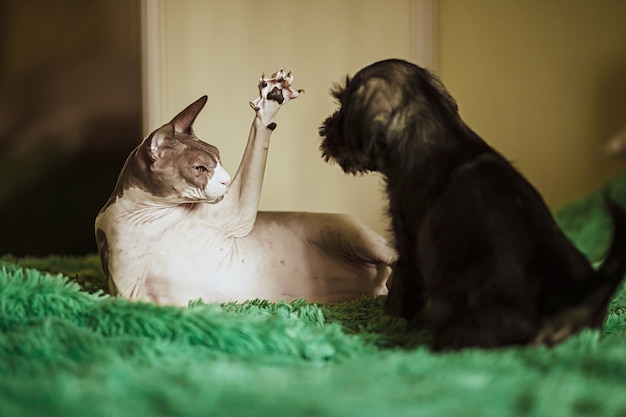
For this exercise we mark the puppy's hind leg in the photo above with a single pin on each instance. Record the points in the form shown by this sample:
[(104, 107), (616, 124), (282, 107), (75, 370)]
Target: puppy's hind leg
[(488, 327)]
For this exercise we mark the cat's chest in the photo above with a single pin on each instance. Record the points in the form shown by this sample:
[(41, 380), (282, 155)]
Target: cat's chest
[(196, 243), (157, 238), (193, 242)]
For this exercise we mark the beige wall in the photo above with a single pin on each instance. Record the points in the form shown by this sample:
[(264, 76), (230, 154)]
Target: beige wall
[(543, 81), (220, 49)]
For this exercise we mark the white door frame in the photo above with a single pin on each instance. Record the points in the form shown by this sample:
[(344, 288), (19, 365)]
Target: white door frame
[(423, 22)]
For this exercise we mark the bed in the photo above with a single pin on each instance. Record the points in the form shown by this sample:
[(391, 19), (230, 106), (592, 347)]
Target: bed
[(67, 348)]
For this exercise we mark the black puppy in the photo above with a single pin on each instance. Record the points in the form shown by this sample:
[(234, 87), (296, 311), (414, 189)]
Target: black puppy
[(481, 260)]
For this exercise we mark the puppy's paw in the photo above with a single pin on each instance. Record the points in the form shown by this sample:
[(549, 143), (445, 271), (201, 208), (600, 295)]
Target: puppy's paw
[(273, 93)]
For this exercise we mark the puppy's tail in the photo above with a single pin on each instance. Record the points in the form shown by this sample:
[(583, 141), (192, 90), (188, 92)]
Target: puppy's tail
[(589, 309), (612, 271)]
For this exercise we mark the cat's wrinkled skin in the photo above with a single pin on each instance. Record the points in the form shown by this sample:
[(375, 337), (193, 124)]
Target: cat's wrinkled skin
[(176, 228)]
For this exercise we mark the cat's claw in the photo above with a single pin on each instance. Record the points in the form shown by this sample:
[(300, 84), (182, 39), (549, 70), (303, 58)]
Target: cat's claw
[(273, 92)]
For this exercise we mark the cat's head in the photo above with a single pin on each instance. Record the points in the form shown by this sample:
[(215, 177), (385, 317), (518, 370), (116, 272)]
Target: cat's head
[(174, 166)]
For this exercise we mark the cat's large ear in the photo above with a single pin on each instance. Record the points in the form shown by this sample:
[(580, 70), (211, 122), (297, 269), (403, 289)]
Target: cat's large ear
[(160, 142), (183, 121)]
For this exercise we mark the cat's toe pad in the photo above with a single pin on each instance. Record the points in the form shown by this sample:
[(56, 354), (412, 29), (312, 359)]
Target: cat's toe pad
[(274, 92)]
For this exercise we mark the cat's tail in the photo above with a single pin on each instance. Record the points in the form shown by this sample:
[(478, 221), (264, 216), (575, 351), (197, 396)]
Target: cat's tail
[(593, 294)]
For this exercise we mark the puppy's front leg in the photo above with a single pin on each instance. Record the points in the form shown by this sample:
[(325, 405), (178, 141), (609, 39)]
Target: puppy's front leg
[(245, 190), (406, 293)]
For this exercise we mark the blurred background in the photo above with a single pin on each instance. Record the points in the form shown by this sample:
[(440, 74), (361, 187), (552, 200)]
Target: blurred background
[(70, 112), (543, 81)]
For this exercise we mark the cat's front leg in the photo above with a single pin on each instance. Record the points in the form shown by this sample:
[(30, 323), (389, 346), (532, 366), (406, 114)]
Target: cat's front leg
[(239, 207), (273, 93)]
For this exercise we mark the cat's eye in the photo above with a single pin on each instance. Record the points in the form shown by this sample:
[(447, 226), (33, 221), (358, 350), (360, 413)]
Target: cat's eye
[(200, 168)]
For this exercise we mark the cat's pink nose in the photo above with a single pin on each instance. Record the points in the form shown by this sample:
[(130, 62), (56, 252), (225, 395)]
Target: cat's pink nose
[(225, 183)]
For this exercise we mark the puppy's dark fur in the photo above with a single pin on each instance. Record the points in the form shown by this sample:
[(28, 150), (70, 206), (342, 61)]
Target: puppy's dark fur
[(481, 260)]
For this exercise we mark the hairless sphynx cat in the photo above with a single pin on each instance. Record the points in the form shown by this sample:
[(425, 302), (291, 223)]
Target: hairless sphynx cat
[(177, 229)]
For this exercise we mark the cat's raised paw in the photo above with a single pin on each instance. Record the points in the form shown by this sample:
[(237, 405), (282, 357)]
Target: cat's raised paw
[(273, 92)]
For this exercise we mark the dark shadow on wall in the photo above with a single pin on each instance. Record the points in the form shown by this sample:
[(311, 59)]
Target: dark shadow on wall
[(70, 113)]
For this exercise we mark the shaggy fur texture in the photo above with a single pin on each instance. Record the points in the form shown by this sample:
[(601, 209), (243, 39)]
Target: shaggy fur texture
[(481, 260)]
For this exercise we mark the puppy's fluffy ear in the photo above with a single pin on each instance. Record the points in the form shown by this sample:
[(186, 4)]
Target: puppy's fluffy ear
[(338, 90), (369, 113)]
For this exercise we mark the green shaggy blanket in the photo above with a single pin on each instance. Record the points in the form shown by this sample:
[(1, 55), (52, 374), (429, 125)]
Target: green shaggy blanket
[(68, 349)]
